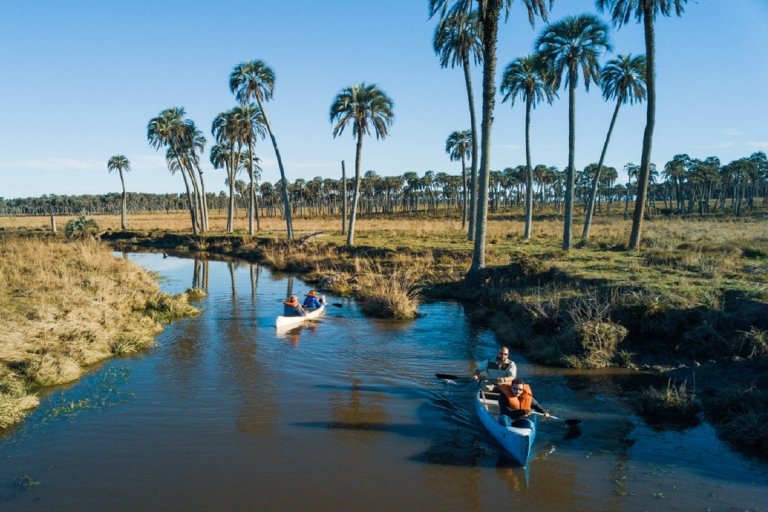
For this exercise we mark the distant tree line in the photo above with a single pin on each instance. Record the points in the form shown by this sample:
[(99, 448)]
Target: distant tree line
[(684, 185)]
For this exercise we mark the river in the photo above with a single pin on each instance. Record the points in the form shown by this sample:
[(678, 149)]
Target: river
[(345, 415)]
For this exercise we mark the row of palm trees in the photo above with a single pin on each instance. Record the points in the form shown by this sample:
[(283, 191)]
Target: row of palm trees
[(236, 131), (683, 185), (561, 51), (565, 53)]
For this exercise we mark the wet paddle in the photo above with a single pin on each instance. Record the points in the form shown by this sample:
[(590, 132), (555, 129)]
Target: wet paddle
[(569, 422), (448, 376)]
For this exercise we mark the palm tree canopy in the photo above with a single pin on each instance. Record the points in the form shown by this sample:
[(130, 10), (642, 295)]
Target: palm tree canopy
[(621, 11), (458, 36), (572, 43), (166, 128), (459, 144), (118, 163), (525, 78), (447, 7), (623, 79), (362, 105), (253, 79)]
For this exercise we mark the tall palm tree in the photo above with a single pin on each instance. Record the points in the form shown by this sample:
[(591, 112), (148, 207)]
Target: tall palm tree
[(622, 79), (120, 163), (525, 78), (573, 43), (364, 107), (256, 80), (459, 146), (457, 41), (489, 12), (621, 11), (170, 129)]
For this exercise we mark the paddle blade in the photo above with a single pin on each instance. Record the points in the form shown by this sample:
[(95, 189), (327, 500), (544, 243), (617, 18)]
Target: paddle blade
[(448, 376)]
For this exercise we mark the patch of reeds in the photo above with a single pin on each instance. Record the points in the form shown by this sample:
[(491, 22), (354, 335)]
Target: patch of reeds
[(67, 306), (741, 413), (753, 344), (674, 402)]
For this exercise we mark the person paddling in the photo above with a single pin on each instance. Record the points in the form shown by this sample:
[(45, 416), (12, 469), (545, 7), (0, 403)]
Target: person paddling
[(516, 402), (502, 369), (313, 301), (291, 307)]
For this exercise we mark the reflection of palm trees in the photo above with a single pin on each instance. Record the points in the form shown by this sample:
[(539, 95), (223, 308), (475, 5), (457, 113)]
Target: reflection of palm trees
[(200, 273), (252, 383), (358, 408), (254, 271), (231, 267)]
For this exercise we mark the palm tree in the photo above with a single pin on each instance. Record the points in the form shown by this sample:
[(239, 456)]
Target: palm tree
[(489, 12), (525, 77), (622, 79), (363, 106), (120, 163), (170, 129), (457, 41), (621, 12), (256, 80), (459, 146), (572, 43)]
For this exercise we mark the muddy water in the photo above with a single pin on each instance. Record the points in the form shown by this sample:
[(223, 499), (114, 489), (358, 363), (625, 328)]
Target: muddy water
[(227, 414)]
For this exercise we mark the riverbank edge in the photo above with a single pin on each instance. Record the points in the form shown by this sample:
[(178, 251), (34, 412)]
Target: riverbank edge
[(653, 338), (59, 339)]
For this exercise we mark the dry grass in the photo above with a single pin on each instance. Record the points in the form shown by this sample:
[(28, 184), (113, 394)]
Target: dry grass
[(672, 402), (67, 306)]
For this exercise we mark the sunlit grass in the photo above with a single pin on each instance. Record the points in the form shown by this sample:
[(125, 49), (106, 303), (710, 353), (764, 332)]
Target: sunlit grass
[(67, 306)]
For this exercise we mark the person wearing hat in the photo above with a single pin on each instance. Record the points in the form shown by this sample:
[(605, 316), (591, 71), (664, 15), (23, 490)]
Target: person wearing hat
[(313, 300), (291, 307)]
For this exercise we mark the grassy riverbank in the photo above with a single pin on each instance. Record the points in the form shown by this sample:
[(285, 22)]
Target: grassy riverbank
[(67, 306)]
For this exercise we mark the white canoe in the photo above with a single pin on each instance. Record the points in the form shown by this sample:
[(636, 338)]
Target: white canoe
[(286, 322), (517, 442)]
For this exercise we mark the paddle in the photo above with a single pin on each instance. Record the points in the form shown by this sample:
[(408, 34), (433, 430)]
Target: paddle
[(448, 376), (569, 422)]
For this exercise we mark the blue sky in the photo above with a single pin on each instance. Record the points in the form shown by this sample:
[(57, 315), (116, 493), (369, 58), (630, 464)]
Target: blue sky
[(80, 79)]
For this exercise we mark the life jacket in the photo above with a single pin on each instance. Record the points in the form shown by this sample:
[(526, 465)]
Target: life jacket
[(494, 365), (524, 401)]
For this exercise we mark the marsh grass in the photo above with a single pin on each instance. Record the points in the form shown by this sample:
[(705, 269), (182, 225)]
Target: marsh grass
[(741, 412), (67, 306), (674, 402)]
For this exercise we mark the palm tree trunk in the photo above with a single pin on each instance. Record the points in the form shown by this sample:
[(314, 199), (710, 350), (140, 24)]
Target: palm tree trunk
[(473, 130), (123, 206), (528, 173), (343, 198), (489, 16), (596, 179), (569, 173), (203, 197), (284, 188), (464, 195), (645, 159), (356, 194)]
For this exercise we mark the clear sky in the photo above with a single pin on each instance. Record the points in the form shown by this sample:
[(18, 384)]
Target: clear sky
[(80, 79)]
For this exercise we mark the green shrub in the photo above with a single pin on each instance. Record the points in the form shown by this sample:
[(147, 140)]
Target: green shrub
[(81, 227)]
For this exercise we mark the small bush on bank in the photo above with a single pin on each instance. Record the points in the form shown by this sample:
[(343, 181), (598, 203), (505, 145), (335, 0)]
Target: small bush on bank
[(673, 402), (81, 228)]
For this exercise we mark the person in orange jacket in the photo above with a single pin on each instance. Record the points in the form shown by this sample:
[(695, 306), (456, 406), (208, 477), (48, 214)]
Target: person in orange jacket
[(516, 403), (291, 307)]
